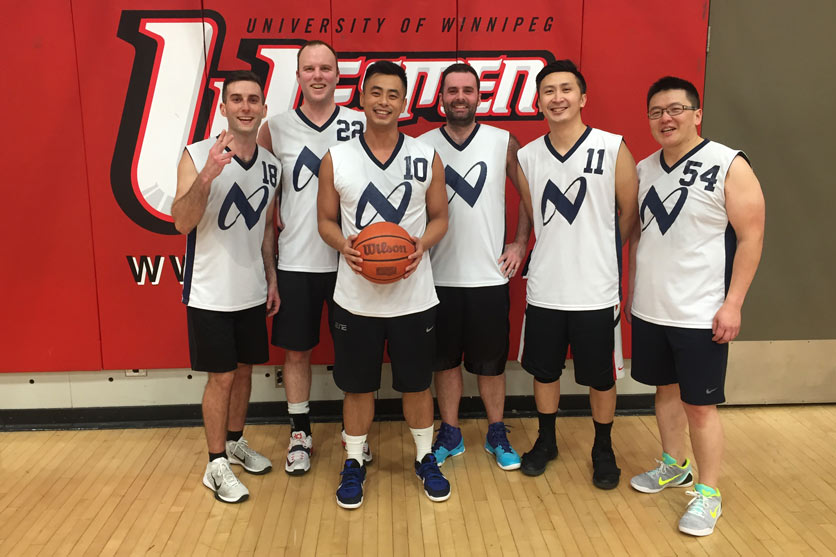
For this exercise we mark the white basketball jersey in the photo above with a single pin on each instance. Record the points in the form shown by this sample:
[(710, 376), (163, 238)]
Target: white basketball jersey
[(684, 259), (300, 145), (394, 191), (224, 270), (475, 175), (575, 264)]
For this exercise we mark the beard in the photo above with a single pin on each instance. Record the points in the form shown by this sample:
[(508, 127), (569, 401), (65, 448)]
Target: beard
[(460, 119)]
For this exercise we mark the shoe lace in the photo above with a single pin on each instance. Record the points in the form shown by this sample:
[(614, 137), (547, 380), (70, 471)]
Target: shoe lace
[(658, 472), (697, 505), (241, 445), (226, 473), (497, 436), (352, 477), (429, 471), (445, 437)]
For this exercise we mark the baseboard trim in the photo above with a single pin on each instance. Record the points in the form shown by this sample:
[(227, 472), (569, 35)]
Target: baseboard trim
[(189, 415)]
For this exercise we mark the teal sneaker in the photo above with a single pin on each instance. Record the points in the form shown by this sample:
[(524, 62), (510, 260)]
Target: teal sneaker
[(702, 514), (498, 445), (448, 443)]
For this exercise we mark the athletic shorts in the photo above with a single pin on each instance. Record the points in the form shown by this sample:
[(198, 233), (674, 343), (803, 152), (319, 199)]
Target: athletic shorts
[(220, 340), (296, 325), (548, 333), (665, 355), (358, 350), (473, 322)]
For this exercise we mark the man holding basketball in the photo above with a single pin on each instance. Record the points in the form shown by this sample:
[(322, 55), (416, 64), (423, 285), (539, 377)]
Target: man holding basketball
[(470, 268), (383, 175), (229, 277), (307, 268), (702, 225), (582, 184)]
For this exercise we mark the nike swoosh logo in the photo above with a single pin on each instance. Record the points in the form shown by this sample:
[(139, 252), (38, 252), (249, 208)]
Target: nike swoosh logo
[(216, 484), (714, 512), (669, 480), (709, 391), (430, 329)]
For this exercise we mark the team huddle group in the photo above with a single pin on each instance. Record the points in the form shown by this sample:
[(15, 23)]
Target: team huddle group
[(692, 212)]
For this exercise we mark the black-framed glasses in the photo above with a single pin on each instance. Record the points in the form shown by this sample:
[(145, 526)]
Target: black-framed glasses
[(674, 110)]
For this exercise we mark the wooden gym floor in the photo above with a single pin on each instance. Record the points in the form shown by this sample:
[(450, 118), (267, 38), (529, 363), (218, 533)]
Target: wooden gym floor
[(120, 492)]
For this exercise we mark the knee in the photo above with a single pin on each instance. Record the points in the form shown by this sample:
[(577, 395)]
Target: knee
[(700, 416), (292, 357), (221, 381)]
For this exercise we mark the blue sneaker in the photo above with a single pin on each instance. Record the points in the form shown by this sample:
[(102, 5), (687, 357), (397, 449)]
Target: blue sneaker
[(497, 444), (448, 443), (436, 485), (350, 491)]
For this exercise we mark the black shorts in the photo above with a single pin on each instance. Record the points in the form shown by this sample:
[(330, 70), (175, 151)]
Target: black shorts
[(358, 350), (473, 322), (548, 333), (665, 355), (220, 340), (296, 326)]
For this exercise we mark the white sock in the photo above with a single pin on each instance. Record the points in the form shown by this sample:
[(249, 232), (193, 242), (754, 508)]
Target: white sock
[(354, 446), (423, 442), (298, 407)]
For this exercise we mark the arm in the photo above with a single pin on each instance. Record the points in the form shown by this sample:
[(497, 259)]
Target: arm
[(626, 192), (268, 255), (631, 273), (514, 254), (746, 210), (525, 192), (328, 213), (193, 187), (436, 213), (265, 139)]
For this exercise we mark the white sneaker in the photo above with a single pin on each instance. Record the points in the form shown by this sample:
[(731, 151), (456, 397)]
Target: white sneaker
[(298, 453), (239, 452), (220, 479), (367, 452)]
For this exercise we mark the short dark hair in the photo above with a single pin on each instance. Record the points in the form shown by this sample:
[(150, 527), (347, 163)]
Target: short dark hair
[(241, 75), (385, 67), (562, 66), (668, 83), (317, 42), (459, 67)]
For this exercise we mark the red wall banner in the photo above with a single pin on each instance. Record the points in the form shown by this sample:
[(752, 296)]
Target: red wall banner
[(130, 83)]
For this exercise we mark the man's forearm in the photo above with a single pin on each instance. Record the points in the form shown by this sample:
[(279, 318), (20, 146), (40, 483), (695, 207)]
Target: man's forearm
[(523, 226), (188, 210), (746, 260)]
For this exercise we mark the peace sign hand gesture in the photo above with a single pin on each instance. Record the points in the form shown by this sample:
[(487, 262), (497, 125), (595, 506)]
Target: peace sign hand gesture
[(219, 156)]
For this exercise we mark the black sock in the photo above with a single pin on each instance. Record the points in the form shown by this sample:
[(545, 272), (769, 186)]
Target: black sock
[(546, 431), (602, 435), (300, 422), (234, 435), (213, 456)]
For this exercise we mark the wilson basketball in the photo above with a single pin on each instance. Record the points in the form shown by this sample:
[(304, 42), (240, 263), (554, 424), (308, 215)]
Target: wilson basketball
[(384, 247)]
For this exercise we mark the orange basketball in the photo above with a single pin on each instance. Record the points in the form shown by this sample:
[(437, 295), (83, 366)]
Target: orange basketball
[(384, 247)]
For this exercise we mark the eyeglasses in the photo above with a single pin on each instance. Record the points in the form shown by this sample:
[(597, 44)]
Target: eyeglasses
[(673, 110)]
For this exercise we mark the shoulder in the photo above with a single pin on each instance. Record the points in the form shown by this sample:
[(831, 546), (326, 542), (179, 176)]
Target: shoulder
[(351, 115), (607, 137), (430, 137), (649, 161), (268, 157), (532, 146)]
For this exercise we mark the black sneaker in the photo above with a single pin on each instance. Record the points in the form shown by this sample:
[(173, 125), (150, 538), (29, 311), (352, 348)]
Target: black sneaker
[(534, 461), (605, 473)]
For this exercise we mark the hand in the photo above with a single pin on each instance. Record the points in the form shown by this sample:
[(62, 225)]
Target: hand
[(726, 324), (273, 300), (353, 257), (415, 257), (219, 157), (511, 259)]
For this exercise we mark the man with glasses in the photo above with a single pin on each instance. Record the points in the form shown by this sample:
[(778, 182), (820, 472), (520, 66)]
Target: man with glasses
[(701, 235)]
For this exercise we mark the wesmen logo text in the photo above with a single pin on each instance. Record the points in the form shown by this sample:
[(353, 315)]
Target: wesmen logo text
[(173, 96)]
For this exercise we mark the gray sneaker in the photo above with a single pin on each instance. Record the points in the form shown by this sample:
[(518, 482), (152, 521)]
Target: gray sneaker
[(666, 475), (220, 479), (239, 452), (702, 514)]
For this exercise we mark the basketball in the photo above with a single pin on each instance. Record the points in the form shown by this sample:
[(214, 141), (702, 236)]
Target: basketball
[(384, 247)]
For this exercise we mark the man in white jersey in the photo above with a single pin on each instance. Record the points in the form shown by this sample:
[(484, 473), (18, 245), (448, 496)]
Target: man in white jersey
[(383, 175), (307, 267), (229, 280), (582, 184), (702, 223), (470, 268)]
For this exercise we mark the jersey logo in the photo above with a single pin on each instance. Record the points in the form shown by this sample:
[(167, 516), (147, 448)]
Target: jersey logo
[(236, 197), (561, 203), (462, 187), (307, 160), (382, 206), (657, 208)]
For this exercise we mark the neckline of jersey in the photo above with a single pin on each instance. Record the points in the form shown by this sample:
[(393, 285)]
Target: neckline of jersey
[(466, 142), (385, 165), (307, 121), (683, 158), (564, 158)]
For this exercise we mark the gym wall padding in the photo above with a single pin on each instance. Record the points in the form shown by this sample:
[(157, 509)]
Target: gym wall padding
[(97, 278)]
